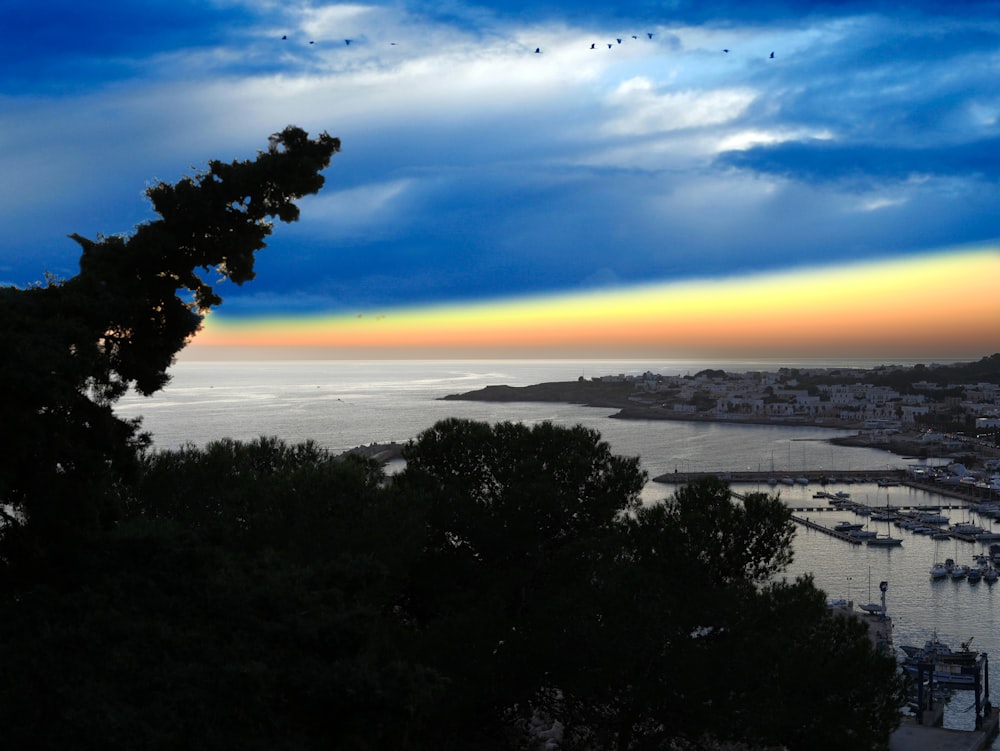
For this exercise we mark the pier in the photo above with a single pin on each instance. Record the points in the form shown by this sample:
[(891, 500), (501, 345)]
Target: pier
[(822, 476), (958, 491), (825, 530)]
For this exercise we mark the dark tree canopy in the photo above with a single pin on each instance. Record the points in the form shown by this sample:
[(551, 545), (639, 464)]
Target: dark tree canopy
[(73, 347), (261, 596), (542, 585)]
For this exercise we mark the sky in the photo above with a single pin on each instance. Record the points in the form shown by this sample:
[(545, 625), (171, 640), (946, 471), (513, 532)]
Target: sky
[(539, 179)]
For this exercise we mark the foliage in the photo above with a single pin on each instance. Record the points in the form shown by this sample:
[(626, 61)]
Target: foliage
[(260, 622), (639, 626), (75, 347), (515, 517), (260, 595)]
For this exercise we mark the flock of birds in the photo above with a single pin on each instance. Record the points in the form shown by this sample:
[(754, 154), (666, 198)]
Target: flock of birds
[(538, 50)]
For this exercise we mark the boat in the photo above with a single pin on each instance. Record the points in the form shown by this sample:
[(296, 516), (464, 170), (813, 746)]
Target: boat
[(966, 528), (939, 571), (946, 667), (862, 534), (928, 518), (959, 572), (847, 526), (975, 574), (886, 541)]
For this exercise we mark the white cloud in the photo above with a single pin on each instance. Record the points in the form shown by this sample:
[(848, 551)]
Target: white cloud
[(749, 138), (881, 202), (641, 109), (366, 211)]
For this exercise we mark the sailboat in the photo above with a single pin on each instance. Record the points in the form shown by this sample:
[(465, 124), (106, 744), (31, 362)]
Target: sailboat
[(887, 516)]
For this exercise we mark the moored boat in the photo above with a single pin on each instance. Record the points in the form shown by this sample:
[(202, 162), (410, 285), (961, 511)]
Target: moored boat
[(886, 541), (939, 571), (862, 534), (848, 526), (946, 667)]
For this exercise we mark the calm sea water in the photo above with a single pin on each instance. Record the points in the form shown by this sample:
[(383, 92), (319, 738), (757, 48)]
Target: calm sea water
[(343, 404)]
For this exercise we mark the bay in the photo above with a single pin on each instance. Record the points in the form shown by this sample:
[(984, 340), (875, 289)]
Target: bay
[(344, 404)]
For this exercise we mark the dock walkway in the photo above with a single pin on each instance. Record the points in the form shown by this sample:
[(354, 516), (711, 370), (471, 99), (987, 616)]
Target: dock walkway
[(910, 736), (812, 475), (825, 530)]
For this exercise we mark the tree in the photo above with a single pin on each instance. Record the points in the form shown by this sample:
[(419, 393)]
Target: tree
[(514, 518), (699, 639), (74, 347), (543, 586), (242, 603)]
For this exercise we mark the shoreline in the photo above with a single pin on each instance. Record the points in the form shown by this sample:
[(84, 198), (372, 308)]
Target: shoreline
[(621, 398)]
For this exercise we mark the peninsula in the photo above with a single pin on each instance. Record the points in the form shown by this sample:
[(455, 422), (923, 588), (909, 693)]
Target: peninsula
[(937, 409)]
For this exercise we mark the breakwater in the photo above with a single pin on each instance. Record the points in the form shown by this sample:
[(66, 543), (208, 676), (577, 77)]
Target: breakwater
[(822, 476)]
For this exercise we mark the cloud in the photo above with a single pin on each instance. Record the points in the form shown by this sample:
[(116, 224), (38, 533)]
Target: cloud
[(474, 168), (826, 161), (644, 110)]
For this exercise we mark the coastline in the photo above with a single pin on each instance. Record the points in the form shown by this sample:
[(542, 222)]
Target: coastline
[(627, 405)]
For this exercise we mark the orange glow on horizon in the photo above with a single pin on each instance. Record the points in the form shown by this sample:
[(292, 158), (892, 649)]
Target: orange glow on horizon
[(946, 303)]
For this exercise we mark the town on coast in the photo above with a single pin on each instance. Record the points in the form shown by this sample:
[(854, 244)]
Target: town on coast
[(944, 410)]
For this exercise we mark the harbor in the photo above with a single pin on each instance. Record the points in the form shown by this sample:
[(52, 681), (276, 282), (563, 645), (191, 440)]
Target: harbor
[(956, 609)]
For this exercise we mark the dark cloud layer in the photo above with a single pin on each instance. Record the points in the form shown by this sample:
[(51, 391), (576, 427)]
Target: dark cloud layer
[(474, 167), (870, 166)]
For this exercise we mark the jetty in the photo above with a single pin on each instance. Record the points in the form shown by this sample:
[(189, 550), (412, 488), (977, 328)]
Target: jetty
[(886, 477), (821, 476), (805, 522), (914, 736)]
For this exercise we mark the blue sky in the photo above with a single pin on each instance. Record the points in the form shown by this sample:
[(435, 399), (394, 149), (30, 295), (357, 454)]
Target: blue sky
[(475, 169)]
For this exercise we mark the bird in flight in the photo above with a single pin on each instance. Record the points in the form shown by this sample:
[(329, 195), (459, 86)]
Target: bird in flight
[(538, 50), (649, 34), (592, 45), (772, 55), (347, 42), (725, 50)]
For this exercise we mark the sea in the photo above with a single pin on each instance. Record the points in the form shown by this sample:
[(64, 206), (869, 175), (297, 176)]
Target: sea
[(345, 404)]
